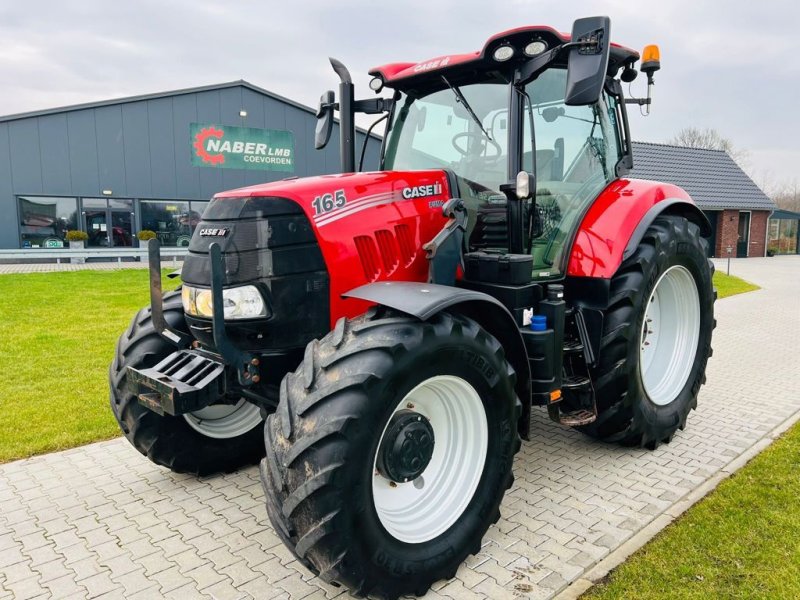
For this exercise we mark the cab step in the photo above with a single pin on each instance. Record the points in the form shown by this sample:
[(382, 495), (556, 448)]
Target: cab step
[(577, 417), (572, 346), (576, 383)]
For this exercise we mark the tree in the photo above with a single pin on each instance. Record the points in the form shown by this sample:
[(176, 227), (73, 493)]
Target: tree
[(787, 196), (710, 139)]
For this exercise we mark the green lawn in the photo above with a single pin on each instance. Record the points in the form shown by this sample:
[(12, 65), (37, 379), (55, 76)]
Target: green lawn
[(58, 332), (742, 541), (728, 285)]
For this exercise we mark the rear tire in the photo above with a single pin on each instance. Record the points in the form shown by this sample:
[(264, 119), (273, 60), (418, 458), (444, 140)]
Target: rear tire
[(201, 443), (324, 481), (645, 394)]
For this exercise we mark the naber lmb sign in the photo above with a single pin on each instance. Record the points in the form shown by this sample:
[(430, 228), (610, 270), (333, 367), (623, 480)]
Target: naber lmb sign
[(241, 147)]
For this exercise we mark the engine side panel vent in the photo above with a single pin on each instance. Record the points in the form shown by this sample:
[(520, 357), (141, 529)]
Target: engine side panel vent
[(405, 242), (368, 254), (388, 250)]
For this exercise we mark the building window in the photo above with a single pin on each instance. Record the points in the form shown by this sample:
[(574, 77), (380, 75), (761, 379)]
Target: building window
[(782, 236), (44, 221), (173, 221)]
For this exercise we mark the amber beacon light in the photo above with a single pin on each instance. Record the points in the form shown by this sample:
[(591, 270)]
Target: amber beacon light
[(651, 59)]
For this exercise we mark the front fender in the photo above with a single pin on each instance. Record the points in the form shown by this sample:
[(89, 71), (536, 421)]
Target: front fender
[(424, 300), (615, 223)]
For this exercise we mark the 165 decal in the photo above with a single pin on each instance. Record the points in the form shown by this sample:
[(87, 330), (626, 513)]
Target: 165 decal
[(328, 202)]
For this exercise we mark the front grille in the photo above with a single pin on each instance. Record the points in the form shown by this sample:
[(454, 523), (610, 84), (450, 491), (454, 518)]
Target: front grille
[(264, 238), (269, 243)]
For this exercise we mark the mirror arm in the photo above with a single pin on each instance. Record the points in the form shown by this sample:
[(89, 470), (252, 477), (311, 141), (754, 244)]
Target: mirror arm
[(325, 106), (532, 68), (373, 106)]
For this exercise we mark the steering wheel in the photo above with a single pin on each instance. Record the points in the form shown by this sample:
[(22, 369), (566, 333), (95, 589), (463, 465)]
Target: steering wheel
[(480, 137)]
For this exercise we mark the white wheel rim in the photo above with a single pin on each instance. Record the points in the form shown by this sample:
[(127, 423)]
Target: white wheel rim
[(421, 510), (224, 421), (669, 336)]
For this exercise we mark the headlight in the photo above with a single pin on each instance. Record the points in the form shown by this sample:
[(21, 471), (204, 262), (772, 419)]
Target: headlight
[(243, 302)]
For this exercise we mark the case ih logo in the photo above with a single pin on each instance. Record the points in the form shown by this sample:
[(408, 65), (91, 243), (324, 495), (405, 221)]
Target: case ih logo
[(432, 64), (241, 147), (421, 191), (213, 232)]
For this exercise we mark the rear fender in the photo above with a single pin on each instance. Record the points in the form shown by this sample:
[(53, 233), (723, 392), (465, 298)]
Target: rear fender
[(617, 220), (424, 300), (670, 206)]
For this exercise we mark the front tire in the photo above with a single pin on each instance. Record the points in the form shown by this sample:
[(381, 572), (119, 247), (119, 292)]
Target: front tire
[(656, 337), (338, 451), (218, 438)]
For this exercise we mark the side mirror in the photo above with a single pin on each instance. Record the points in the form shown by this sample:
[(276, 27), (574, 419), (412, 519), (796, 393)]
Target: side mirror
[(322, 133), (588, 60)]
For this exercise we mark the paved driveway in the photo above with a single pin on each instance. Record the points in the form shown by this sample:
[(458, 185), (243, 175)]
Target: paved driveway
[(101, 521)]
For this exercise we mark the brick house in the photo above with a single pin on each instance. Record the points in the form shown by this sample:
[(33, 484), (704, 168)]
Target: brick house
[(735, 205)]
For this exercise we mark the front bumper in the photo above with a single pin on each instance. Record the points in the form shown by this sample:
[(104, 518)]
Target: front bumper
[(184, 382)]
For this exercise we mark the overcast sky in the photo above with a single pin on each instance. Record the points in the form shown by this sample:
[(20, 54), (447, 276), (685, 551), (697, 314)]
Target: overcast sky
[(727, 65)]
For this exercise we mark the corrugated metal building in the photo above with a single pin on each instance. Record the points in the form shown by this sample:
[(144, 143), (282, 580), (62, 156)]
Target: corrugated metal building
[(116, 167), (737, 208)]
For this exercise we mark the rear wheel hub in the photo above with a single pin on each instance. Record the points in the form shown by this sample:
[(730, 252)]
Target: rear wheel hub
[(406, 448)]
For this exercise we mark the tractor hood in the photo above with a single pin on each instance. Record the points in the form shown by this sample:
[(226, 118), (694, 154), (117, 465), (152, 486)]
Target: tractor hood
[(321, 236), (327, 199)]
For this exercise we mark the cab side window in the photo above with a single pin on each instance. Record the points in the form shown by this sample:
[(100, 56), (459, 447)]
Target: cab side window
[(576, 154)]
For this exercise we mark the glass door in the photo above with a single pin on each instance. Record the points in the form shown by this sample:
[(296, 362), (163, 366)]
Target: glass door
[(109, 222), (97, 227), (121, 228), (744, 235)]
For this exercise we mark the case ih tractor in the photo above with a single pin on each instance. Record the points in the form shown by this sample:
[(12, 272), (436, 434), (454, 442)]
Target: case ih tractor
[(384, 335)]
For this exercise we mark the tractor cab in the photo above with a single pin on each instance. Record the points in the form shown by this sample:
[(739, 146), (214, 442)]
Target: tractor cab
[(573, 155), (521, 103)]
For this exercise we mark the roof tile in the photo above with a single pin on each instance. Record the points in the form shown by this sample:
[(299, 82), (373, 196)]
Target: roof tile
[(711, 177)]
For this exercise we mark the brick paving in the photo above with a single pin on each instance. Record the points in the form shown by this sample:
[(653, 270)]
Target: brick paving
[(102, 522)]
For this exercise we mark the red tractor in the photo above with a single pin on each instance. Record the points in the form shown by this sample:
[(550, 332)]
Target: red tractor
[(386, 333)]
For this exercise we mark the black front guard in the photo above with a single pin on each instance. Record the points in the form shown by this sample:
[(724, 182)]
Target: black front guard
[(191, 378)]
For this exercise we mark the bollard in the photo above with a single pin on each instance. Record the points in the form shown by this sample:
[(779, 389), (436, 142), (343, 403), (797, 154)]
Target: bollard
[(730, 249)]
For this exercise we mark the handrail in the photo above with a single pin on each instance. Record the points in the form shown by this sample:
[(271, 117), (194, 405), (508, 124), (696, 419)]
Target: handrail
[(67, 253)]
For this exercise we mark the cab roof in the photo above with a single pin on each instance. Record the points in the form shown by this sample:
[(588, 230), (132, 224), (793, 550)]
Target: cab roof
[(408, 73)]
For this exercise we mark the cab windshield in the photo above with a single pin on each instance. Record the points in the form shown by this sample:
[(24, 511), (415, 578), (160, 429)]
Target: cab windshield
[(438, 131), (574, 158)]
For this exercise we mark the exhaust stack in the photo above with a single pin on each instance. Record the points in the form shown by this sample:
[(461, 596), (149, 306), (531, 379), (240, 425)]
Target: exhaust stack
[(347, 151)]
